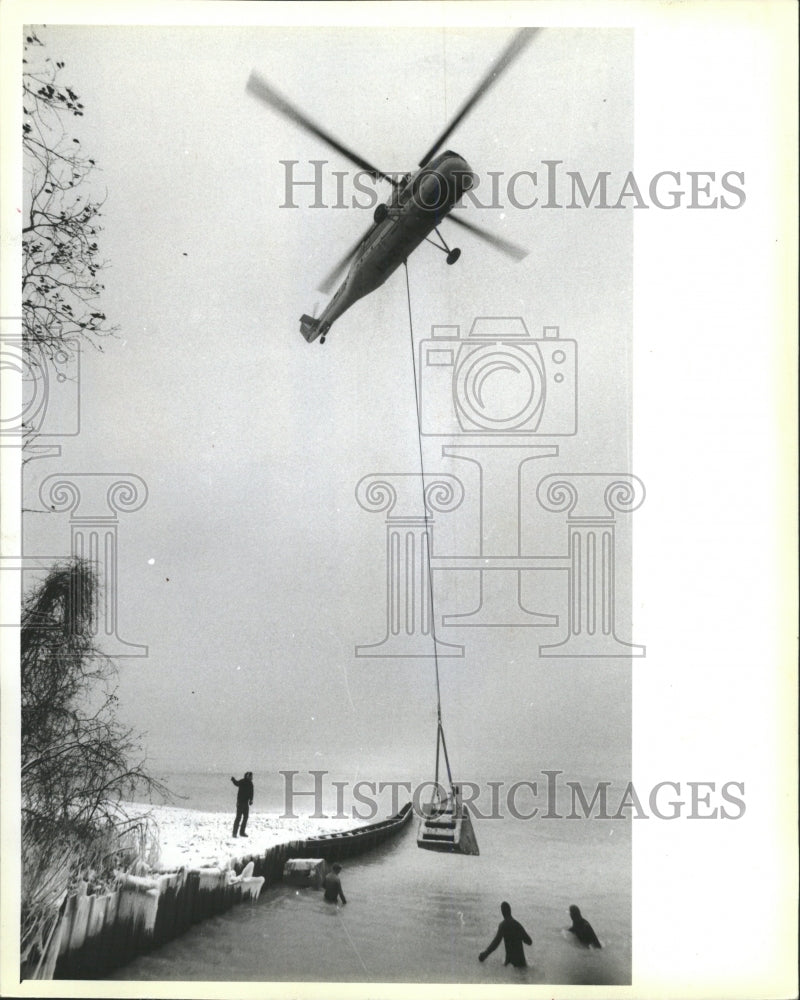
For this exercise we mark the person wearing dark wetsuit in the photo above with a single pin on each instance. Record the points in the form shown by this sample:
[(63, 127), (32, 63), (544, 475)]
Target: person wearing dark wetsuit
[(333, 886), (513, 934), (582, 929), (244, 799)]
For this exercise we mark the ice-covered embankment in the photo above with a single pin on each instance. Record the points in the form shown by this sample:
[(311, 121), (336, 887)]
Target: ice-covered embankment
[(196, 870)]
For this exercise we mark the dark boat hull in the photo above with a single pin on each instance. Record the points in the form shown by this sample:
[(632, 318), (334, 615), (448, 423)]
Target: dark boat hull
[(335, 846)]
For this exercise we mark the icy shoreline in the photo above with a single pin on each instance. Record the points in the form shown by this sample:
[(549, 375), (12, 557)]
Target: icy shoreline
[(189, 838)]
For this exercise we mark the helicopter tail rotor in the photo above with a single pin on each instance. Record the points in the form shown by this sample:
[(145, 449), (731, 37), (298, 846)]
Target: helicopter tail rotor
[(310, 328)]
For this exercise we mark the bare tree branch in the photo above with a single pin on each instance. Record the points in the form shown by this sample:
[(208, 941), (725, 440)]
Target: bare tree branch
[(62, 264)]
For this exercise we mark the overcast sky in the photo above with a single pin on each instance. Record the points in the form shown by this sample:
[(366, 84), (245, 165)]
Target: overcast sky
[(252, 573)]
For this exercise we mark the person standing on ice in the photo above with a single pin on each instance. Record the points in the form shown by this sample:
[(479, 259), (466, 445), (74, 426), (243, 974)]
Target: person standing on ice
[(513, 934), (244, 799)]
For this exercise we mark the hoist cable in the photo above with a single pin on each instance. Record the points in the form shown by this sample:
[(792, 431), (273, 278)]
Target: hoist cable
[(439, 727)]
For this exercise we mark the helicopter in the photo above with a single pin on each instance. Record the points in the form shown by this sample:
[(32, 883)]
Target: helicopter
[(419, 201)]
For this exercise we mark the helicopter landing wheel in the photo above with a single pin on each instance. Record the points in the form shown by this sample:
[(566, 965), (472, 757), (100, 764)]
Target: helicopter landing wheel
[(322, 340), (453, 255), (380, 213)]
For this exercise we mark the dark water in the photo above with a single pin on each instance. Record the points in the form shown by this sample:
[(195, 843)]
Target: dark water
[(416, 916)]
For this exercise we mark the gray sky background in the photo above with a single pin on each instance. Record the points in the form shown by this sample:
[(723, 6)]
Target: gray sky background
[(252, 573)]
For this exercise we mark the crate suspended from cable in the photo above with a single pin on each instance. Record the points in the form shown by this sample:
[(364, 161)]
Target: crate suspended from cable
[(446, 825)]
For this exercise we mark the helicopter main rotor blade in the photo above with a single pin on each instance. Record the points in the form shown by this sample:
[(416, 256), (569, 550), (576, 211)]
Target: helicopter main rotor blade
[(259, 88), (504, 246), (520, 40), (336, 272)]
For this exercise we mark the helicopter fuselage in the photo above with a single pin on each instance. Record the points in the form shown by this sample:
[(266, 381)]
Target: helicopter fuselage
[(417, 206)]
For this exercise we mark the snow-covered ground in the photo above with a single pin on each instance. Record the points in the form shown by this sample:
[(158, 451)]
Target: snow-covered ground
[(193, 839)]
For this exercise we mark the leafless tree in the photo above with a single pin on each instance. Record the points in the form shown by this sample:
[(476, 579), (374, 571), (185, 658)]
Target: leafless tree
[(61, 260), (61, 257), (79, 763)]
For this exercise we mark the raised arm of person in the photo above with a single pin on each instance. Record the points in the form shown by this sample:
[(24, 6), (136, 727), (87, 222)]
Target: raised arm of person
[(495, 942), (235, 781)]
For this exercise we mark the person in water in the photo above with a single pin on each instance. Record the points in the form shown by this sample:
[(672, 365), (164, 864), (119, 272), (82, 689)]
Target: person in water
[(244, 799), (332, 885), (582, 929), (513, 934)]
